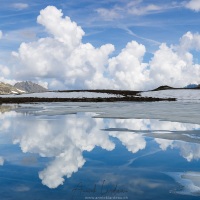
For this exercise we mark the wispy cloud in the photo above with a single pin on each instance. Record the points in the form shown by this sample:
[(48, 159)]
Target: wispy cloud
[(135, 8), (140, 9), (1, 161), (1, 34), (153, 42), (20, 6), (193, 5), (109, 15)]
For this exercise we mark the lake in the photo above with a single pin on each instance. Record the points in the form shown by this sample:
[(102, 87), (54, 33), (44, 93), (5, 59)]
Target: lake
[(115, 150)]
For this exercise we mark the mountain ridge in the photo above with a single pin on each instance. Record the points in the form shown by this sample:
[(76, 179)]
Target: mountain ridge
[(21, 87), (30, 87), (6, 88)]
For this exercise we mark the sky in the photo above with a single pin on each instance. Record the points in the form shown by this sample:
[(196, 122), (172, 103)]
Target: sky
[(107, 44)]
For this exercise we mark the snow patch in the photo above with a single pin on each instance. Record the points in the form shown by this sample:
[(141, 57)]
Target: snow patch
[(189, 180), (186, 95), (65, 95), (14, 92), (21, 91)]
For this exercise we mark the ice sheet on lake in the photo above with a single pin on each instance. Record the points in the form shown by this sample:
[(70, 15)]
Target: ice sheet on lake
[(186, 95), (189, 180), (168, 111)]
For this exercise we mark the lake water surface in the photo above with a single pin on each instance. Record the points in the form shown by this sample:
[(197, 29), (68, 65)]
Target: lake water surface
[(100, 151)]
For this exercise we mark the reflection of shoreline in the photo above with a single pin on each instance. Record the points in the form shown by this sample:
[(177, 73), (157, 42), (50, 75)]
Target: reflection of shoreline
[(5, 108)]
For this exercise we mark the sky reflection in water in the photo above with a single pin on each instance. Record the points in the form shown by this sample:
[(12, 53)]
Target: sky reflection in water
[(76, 155)]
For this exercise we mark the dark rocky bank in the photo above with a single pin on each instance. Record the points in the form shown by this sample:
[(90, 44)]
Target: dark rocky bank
[(19, 100)]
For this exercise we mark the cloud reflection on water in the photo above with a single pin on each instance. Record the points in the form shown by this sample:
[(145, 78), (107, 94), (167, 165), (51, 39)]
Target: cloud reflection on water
[(66, 137)]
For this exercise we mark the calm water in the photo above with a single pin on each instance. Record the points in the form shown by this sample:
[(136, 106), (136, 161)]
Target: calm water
[(100, 151)]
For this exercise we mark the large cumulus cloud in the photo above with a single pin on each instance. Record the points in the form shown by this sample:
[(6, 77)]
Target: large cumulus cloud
[(65, 61), (62, 57), (175, 65), (127, 69)]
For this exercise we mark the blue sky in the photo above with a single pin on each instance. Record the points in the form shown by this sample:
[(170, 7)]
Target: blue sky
[(18, 18), (117, 22)]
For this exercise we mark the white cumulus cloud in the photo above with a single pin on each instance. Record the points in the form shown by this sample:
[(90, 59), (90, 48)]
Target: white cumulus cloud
[(5, 71), (189, 41), (175, 65), (5, 75), (63, 29), (127, 69), (64, 61), (62, 57)]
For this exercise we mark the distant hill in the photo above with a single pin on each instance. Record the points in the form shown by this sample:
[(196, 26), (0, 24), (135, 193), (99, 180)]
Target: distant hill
[(30, 87), (198, 86), (192, 86), (9, 89), (163, 87), (166, 87)]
